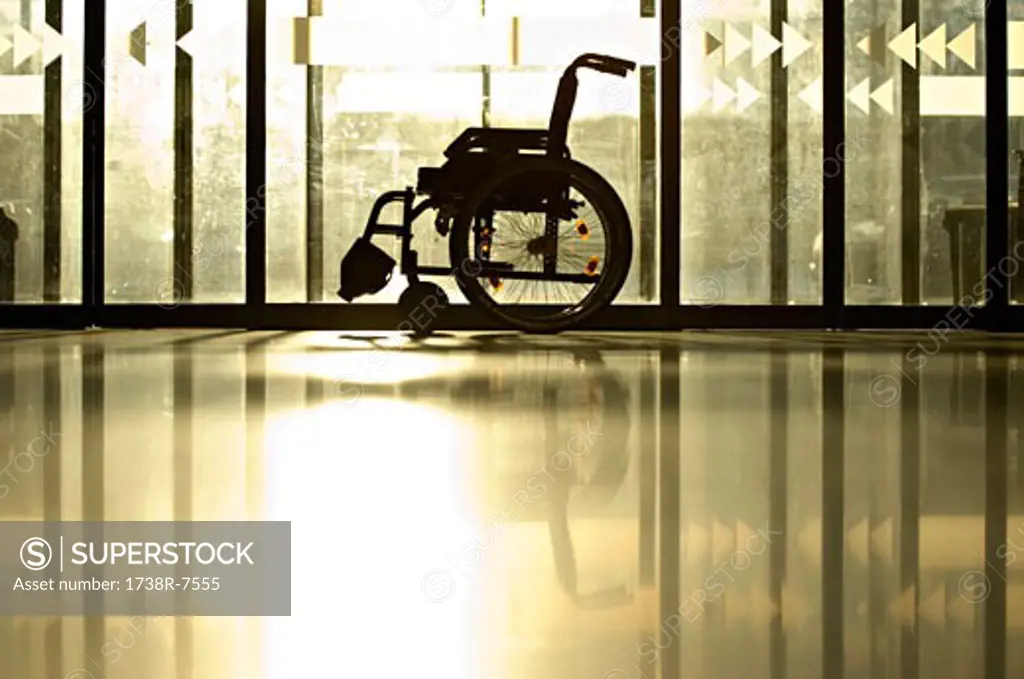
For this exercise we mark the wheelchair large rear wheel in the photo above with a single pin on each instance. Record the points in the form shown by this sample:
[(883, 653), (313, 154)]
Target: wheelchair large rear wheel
[(542, 246)]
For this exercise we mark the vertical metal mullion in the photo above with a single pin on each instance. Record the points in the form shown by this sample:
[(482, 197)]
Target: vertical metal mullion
[(25, 13), (184, 159), (25, 21), (648, 187), (52, 163), (910, 162), (93, 159), (648, 227), (834, 136), (910, 514), (779, 173), (833, 506), (485, 84), (997, 148), (314, 172), (778, 508), (669, 481), (671, 158), (256, 162)]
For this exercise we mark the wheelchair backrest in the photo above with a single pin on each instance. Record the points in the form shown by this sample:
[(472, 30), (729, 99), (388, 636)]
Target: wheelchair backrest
[(561, 114)]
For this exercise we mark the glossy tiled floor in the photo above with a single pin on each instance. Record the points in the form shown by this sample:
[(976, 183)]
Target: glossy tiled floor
[(602, 507)]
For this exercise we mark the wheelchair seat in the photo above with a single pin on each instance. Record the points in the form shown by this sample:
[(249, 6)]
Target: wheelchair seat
[(476, 154), (498, 140)]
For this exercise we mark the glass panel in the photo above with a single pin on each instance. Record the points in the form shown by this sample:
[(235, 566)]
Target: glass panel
[(382, 114), (41, 105), (904, 80), (729, 210), (392, 93), (806, 165), (175, 153)]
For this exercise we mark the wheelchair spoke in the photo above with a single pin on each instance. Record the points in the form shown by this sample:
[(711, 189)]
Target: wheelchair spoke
[(554, 264)]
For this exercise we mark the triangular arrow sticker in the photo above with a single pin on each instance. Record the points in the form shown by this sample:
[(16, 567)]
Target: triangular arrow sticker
[(865, 45), (711, 43), (904, 45), (54, 44), (793, 44), (934, 46), (188, 42), (137, 43), (764, 45), (745, 94), (883, 96), (721, 94), (25, 45), (735, 44), (696, 96), (860, 96), (813, 95), (964, 46)]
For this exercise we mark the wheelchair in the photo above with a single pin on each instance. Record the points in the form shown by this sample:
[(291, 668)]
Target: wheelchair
[(537, 240)]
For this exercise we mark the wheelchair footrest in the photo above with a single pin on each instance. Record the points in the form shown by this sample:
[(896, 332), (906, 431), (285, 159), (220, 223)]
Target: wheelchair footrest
[(365, 270)]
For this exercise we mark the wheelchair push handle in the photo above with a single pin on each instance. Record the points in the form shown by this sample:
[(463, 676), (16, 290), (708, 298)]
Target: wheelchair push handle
[(604, 64)]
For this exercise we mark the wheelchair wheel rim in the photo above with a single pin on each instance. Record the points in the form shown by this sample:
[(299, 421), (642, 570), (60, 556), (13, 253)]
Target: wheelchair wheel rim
[(579, 246)]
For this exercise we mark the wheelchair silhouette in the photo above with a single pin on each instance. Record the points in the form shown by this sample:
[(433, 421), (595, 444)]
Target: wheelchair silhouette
[(537, 241)]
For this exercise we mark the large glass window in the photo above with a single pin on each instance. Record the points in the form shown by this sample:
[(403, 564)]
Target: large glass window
[(362, 94), (915, 212), (175, 130), (41, 105), (752, 136)]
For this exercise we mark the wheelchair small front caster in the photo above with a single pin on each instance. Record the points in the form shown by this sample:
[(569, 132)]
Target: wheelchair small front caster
[(421, 305)]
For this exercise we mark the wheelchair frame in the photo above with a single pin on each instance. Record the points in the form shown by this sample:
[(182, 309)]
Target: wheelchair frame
[(495, 145)]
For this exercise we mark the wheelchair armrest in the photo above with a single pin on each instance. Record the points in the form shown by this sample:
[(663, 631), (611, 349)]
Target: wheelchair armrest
[(500, 138)]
